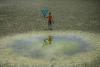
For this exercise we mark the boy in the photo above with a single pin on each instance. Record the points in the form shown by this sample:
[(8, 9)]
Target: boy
[(50, 21)]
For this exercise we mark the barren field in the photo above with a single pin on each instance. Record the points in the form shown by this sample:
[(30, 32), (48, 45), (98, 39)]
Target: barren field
[(18, 16), (25, 40)]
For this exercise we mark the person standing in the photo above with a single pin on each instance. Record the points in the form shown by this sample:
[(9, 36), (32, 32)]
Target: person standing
[(50, 21)]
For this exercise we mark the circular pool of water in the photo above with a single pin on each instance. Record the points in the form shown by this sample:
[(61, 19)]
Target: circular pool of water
[(48, 47), (61, 45)]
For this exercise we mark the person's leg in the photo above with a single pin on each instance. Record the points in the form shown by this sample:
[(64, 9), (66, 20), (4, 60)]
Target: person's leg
[(49, 25)]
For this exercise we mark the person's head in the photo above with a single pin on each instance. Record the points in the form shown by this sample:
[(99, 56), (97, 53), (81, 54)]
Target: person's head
[(49, 13)]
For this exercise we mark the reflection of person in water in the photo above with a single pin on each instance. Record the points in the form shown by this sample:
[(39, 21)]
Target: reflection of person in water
[(48, 41)]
